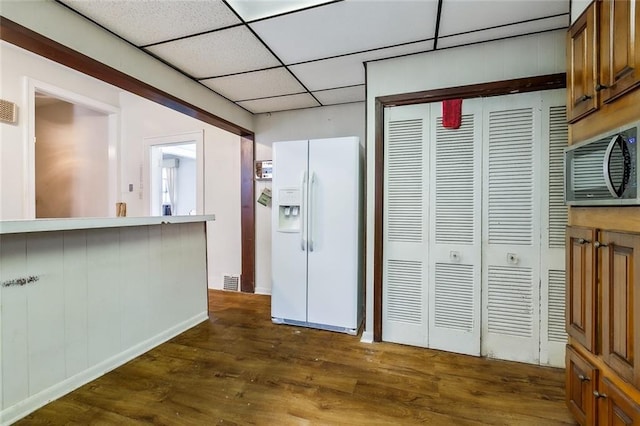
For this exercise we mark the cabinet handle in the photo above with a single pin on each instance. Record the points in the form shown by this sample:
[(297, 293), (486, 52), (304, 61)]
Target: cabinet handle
[(598, 244), (583, 241), (584, 378), (599, 395), (584, 98), (600, 87)]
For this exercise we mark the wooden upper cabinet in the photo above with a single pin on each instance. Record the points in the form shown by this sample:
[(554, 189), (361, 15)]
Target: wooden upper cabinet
[(620, 279), (581, 286), (583, 66), (619, 48)]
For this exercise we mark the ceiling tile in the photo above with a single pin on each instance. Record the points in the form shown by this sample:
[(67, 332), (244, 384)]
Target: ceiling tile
[(280, 103), (342, 95), (251, 10), (506, 31), (253, 85), (146, 22), (347, 27), (348, 70), (223, 52), (460, 16)]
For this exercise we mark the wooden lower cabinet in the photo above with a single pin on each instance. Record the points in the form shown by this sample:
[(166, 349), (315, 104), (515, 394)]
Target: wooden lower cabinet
[(603, 323), (581, 378), (615, 407), (593, 397)]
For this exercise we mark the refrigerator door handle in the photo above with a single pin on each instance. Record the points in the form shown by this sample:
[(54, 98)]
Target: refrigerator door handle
[(311, 210), (303, 209)]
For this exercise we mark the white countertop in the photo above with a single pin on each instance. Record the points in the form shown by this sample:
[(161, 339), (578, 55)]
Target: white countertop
[(44, 225)]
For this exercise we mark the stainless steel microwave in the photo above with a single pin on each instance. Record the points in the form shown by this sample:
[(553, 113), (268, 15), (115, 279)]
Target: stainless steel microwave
[(603, 170)]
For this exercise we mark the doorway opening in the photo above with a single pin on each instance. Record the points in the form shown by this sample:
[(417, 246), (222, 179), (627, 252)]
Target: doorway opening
[(175, 178), (72, 155)]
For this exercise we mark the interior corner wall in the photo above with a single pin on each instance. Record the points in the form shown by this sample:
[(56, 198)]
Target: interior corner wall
[(518, 57), (312, 123), (57, 22)]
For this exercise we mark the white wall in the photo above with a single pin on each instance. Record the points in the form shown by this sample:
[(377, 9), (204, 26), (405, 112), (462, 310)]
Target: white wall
[(577, 7), (58, 23), (144, 119), (222, 198), (139, 118), (72, 158), (18, 65), (312, 123), (500, 60)]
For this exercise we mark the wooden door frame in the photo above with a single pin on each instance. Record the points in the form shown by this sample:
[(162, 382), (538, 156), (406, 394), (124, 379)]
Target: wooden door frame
[(495, 88), (27, 39)]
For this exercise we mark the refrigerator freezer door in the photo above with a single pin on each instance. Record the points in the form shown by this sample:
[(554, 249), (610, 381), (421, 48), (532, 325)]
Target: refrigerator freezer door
[(333, 222), (288, 243)]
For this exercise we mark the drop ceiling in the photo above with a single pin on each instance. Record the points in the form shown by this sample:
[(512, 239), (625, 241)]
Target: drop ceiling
[(275, 55)]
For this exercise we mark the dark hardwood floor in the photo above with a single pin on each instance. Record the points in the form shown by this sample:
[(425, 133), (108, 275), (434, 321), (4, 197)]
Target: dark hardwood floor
[(239, 368)]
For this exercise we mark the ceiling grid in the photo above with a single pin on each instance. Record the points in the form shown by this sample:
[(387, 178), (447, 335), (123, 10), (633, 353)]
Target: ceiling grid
[(277, 55)]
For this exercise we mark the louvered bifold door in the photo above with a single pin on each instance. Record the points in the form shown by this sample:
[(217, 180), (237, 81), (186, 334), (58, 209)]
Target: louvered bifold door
[(406, 173), (553, 336), (511, 234), (455, 248)]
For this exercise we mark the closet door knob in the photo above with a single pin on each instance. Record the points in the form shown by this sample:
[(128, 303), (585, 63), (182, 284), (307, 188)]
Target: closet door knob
[(600, 87), (598, 244), (584, 98), (583, 241), (583, 378)]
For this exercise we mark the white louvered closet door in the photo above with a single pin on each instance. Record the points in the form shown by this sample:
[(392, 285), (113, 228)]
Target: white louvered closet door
[(511, 236), (405, 238), (554, 219), (455, 243)]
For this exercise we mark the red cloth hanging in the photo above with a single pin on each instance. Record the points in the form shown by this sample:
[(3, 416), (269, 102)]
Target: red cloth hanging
[(451, 113)]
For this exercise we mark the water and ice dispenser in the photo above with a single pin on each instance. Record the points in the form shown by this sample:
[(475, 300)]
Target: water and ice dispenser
[(289, 210)]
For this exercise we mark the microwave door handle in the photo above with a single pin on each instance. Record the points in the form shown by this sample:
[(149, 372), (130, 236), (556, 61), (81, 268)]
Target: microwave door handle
[(605, 166)]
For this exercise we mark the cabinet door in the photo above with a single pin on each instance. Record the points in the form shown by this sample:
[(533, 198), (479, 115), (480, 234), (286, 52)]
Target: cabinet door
[(582, 63), (581, 378), (619, 48), (615, 407), (620, 262), (581, 297)]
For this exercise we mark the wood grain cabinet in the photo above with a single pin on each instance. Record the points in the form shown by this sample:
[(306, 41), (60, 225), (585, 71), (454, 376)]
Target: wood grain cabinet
[(615, 407), (582, 64), (603, 56), (581, 285), (581, 381), (619, 42), (620, 278), (603, 323)]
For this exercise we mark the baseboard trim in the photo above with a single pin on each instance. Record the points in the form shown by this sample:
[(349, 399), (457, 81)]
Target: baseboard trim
[(263, 290), (32, 403), (367, 337)]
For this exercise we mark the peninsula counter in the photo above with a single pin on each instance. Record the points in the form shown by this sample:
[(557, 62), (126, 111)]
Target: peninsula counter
[(80, 297)]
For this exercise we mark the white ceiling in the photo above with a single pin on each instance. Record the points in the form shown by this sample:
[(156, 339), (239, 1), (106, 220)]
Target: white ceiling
[(274, 55)]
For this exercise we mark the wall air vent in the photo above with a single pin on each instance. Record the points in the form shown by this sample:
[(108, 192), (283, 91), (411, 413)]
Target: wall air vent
[(231, 282), (8, 111)]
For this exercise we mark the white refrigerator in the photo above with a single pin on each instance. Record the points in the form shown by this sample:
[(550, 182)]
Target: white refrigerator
[(316, 243)]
